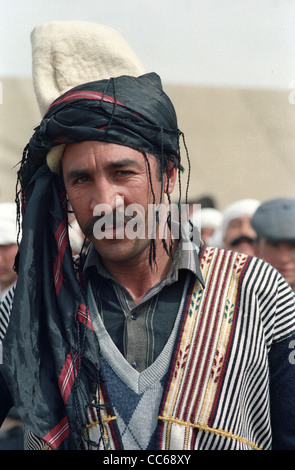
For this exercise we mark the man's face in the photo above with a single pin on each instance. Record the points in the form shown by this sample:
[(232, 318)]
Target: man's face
[(7, 274), (104, 178), (206, 233), (281, 255), (240, 236)]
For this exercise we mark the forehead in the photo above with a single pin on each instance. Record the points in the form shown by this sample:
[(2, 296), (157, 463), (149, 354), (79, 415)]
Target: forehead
[(279, 244), (239, 220), (102, 153)]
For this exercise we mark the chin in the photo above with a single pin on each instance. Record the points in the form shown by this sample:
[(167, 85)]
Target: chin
[(246, 249), (119, 251)]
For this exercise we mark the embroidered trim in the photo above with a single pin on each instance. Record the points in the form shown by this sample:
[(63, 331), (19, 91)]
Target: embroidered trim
[(206, 428), (198, 367), (95, 424)]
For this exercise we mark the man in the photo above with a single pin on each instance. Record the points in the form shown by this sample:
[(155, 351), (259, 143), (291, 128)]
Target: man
[(236, 231), (8, 250), (274, 222), (8, 246), (145, 342), (209, 220), (11, 435)]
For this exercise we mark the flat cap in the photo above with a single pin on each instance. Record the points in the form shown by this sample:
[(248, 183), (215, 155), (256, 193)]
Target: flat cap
[(275, 219)]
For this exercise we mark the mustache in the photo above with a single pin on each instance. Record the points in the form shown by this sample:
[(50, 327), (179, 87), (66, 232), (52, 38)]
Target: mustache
[(112, 219), (241, 239)]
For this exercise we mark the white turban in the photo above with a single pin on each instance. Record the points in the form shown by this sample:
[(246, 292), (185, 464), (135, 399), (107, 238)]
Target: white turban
[(243, 207), (210, 218), (8, 228)]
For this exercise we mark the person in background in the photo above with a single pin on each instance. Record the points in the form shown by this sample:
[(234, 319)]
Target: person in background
[(11, 431), (76, 237), (274, 223), (208, 220), (201, 202), (237, 233), (8, 247)]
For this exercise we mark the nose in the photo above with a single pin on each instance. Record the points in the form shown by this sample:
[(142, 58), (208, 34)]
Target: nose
[(105, 198), (3, 250), (248, 230), (284, 253)]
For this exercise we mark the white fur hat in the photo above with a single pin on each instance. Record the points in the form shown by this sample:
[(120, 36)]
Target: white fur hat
[(68, 53)]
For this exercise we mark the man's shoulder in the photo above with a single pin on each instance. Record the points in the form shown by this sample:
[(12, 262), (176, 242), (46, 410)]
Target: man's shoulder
[(252, 269), (207, 253), (251, 261), (263, 292)]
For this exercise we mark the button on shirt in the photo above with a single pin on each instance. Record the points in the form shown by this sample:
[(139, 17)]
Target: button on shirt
[(141, 330)]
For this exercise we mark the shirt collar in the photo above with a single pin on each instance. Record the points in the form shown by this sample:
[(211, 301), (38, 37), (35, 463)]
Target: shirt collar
[(186, 258)]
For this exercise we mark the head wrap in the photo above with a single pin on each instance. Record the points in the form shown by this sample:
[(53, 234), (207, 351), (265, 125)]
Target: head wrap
[(50, 352), (125, 110)]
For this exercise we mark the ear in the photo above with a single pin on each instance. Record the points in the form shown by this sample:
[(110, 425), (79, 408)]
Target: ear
[(172, 174)]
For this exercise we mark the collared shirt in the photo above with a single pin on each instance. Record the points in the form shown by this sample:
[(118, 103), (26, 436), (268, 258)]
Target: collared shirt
[(140, 330)]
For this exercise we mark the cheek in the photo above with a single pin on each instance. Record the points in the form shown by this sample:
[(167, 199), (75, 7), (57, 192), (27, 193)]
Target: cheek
[(9, 255), (80, 205), (270, 256), (231, 233)]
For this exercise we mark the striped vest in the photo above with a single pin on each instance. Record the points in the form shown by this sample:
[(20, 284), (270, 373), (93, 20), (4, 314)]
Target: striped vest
[(200, 408), (217, 392)]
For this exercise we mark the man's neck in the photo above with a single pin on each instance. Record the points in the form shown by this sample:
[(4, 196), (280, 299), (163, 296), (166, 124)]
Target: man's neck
[(137, 275)]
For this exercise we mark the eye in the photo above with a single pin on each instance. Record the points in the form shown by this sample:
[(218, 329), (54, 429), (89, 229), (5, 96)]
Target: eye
[(122, 173), (80, 180)]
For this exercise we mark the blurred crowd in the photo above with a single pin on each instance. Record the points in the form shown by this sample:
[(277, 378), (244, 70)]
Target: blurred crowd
[(265, 229)]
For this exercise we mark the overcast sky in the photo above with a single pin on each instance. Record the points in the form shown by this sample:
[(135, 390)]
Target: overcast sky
[(248, 43)]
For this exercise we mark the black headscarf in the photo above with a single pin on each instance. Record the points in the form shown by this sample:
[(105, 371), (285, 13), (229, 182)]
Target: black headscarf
[(50, 352), (128, 111)]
